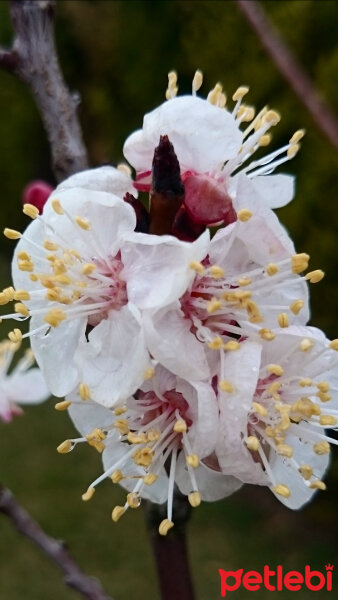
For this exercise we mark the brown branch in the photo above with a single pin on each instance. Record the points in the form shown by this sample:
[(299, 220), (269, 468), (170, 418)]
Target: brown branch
[(291, 69), (89, 587), (170, 551), (33, 59)]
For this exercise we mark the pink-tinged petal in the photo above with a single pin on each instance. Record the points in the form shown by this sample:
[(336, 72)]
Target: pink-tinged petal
[(275, 190), (114, 360), (26, 388), (212, 484), (156, 268), (172, 344), (102, 179), (204, 136)]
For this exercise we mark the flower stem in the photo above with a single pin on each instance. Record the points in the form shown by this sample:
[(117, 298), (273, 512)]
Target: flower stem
[(170, 551)]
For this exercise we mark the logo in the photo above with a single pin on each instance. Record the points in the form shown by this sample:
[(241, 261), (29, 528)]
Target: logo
[(276, 580)]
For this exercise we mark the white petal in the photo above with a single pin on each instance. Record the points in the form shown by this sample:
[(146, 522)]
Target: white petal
[(203, 409), (26, 388), (114, 361), (171, 343), (275, 190), (87, 417), (102, 179), (204, 136), (156, 268), (55, 351)]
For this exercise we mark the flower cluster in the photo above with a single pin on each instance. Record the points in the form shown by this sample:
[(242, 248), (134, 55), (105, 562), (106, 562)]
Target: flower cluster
[(185, 359)]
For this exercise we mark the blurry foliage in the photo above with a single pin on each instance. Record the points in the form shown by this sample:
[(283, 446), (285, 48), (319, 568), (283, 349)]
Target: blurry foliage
[(116, 54)]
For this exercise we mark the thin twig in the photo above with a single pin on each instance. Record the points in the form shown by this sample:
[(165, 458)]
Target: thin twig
[(88, 586), (291, 69), (33, 59), (170, 551)]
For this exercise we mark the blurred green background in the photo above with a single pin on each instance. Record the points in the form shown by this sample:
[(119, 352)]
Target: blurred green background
[(117, 55)]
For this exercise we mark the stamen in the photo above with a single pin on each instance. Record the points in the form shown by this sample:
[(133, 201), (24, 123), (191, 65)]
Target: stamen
[(164, 527), (12, 234), (197, 82), (88, 494)]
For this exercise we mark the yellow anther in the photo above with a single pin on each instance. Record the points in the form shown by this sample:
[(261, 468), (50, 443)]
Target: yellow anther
[(334, 344), (271, 269), (197, 266), (62, 279), (137, 438), (59, 267), (15, 336), (232, 345), (214, 94), (305, 345), (213, 305), (56, 205), (244, 215), (240, 93), (197, 81), (264, 140), (23, 255), (117, 513), (318, 485), (149, 373), (275, 370), (315, 276), (222, 100), (33, 277), (133, 500), (55, 316), (244, 281), (84, 391), (21, 295), (272, 117), (273, 388), (88, 494), (299, 262), (267, 334), (297, 136), (12, 234), (216, 272), (321, 448), (323, 386), (65, 447), (164, 527), (246, 113), (327, 420), (324, 396), (8, 294), (306, 408), (30, 210), (226, 386), (83, 223), (305, 382), (53, 295), (293, 150), (172, 85), (96, 434), (48, 245), (88, 268), (192, 460), (153, 435), (117, 476), (62, 405), (259, 409), (253, 311), (122, 425), (195, 499), (296, 306), (283, 320), (21, 308), (143, 457), (285, 450), (270, 432), (216, 343), (282, 490), (47, 282), (305, 471), (120, 410), (26, 265), (4, 299), (180, 426), (123, 168), (150, 478), (252, 443)]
